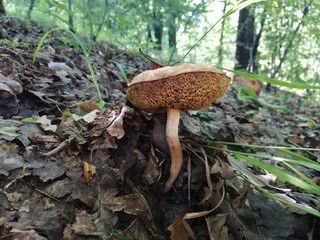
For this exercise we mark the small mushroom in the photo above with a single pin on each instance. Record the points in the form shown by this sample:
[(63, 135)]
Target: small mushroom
[(188, 86)]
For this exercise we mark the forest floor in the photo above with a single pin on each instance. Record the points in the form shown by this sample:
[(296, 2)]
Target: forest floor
[(68, 171)]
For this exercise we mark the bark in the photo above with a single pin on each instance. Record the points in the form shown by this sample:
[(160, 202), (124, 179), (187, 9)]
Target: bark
[(2, 9), (245, 38), (247, 46)]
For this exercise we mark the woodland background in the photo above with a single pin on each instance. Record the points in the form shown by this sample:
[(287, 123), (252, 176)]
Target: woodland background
[(277, 39)]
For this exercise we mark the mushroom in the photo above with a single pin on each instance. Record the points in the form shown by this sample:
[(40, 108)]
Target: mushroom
[(178, 88)]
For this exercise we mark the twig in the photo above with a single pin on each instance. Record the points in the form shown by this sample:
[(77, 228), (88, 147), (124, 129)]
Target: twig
[(46, 194), (58, 149)]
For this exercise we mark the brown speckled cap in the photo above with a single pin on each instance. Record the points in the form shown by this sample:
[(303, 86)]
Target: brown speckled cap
[(188, 86)]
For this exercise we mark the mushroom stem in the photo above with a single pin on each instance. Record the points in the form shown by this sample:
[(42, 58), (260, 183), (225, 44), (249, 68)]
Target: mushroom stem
[(173, 117)]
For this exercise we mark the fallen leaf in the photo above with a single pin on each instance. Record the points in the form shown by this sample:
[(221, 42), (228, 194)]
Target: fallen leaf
[(116, 128), (177, 229), (89, 171), (89, 106), (20, 234), (217, 226), (45, 124), (10, 131), (91, 116), (10, 161), (84, 225), (59, 188), (50, 171)]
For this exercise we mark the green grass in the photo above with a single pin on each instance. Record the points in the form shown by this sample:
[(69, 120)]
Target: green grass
[(287, 168), (101, 102)]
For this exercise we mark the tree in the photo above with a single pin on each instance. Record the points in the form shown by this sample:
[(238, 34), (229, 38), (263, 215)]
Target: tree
[(245, 39), (71, 26), (173, 11), (247, 47), (223, 23), (2, 9), (289, 37), (31, 5), (157, 23)]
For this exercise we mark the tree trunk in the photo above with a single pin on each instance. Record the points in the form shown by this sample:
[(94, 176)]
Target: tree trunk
[(172, 13), (158, 29), (220, 50), (102, 23), (172, 32), (71, 26), (31, 5), (157, 22), (254, 49), (2, 9), (149, 35), (245, 37), (247, 45)]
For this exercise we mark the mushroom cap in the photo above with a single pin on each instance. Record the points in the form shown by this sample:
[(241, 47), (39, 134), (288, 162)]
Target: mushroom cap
[(187, 86)]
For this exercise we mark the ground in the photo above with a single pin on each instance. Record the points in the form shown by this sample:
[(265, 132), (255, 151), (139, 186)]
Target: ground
[(70, 171)]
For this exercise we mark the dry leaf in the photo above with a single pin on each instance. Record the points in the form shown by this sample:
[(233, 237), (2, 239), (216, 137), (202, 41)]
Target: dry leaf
[(91, 116), (89, 171), (45, 124), (21, 234), (217, 227), (177, 229), (84, 225), (116, 128), (89, 106)]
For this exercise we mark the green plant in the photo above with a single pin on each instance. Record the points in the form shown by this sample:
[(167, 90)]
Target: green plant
[(15, 43), (272, 81), (121, 69), (86, 55), (289, 171), (235, 8)]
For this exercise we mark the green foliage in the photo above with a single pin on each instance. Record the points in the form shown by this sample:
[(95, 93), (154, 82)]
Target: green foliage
[(122, 70), (86, 55), (234, 9), (299, 179), (290, 36), (27, 120), (290, 204), (15, 43), (273, 81), (290, 170), (246, 94), (130, 23)]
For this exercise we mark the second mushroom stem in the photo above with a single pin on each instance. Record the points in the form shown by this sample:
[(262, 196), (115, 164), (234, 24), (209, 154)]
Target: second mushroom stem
[(172, 127)]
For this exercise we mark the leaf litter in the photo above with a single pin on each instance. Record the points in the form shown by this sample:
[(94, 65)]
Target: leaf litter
[(68, 171)]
